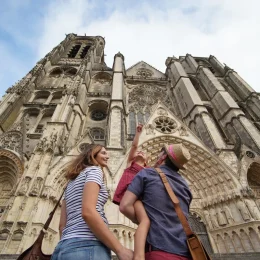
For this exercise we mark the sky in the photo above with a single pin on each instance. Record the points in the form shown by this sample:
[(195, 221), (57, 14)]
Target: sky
[(149, 30)]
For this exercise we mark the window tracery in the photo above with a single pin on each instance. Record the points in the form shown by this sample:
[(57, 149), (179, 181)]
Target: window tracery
[(97, 133), (165, 124), (74, 50), (146, 95), (98, 115)]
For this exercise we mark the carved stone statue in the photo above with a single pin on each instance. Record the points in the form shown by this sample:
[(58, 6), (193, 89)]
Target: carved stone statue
[(149, 129), (253, 209), (243, 210), (207, 217), (213, 218), (221, 217), (183, 131), (228, 214), (25, 186), (36, 187)]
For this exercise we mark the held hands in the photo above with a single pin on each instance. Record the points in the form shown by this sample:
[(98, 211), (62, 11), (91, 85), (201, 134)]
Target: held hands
[(125, 254), (139, 128)]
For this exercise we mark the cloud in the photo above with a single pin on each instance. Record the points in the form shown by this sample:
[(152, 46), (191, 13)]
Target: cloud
[(153, 30)]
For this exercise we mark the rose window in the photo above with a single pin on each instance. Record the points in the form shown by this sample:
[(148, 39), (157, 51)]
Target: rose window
[(165, 124), (98, 115), (147, 95)]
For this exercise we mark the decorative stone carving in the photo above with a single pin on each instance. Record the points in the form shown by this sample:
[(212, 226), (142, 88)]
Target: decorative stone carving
[(144, 73), (183, 131), (221, 217), (149, 129), (165, 124), (146, 95), (36, 187), (253, 209), (21, 87), (208, 220), (228, 214), (46, 192), (12, 140), (243, 210), (162, 112), (250, 154), (25, 186), (41, 144), (213, 218)]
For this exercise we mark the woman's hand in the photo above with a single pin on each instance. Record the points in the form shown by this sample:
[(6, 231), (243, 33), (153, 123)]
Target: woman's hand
[(125, 254)]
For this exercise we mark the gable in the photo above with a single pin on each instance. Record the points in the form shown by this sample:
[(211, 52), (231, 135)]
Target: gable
[(144, 71)]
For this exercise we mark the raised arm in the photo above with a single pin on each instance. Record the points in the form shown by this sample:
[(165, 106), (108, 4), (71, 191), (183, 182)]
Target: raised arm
[(135, 142)]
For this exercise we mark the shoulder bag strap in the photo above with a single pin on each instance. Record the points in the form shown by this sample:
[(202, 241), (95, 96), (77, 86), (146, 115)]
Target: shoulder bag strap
[(176, 203)]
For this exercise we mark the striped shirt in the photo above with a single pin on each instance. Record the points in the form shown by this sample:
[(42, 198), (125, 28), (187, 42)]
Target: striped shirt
[(76, 226)]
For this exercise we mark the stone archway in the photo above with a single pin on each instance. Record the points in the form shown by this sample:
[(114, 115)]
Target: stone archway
[(210, 181), (11, 169)]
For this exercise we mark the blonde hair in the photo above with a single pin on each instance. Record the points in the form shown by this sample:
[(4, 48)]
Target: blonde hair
[(83, 160)]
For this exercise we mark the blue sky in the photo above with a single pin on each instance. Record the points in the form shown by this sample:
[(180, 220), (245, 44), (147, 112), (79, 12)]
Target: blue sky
[(149, 30)]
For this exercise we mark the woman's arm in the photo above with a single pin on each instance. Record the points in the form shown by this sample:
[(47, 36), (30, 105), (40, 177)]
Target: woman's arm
[(96, 223), (63, 217), (135, 143)]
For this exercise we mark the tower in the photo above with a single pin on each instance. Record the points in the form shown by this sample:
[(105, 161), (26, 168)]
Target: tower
[(71, 98)]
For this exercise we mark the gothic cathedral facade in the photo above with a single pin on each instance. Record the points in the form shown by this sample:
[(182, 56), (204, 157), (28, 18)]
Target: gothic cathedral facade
[(72, 98)]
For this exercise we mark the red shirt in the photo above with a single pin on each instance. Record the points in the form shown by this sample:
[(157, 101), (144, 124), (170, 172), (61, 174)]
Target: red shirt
[(127, 177)]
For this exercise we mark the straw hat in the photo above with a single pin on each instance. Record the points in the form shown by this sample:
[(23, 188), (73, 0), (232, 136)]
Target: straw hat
[(178, 154)]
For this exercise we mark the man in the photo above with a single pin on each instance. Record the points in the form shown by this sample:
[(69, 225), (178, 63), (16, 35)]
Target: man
[(166, 238)]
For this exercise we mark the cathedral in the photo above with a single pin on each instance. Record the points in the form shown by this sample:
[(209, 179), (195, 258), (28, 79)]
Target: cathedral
[(72, 98)]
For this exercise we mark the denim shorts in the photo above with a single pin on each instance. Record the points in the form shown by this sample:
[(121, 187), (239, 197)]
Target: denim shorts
[(81, 249)]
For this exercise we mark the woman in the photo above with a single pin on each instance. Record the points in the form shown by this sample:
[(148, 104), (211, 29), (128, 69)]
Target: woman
[(83, 224)]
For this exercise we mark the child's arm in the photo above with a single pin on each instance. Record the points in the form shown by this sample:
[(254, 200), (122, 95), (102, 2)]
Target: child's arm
[(135, 142)]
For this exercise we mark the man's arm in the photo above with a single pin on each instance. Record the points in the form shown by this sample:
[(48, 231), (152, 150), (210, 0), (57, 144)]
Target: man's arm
[(127, 206)]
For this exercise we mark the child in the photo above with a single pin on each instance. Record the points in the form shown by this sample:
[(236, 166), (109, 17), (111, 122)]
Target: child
[(136, 162)]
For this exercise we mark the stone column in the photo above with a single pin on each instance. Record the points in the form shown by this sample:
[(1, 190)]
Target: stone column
[(243, 89), (190, 105), (61, 106), (247, 94), (228, 112), (116, 104)]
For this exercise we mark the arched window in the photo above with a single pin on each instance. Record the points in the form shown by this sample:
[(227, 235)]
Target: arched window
[(74, 51), (132, 124), (140, 118), (46, 118), (70, 71), (56, 98), (41, 96), (84, 52), (97, 134), (56, 72)]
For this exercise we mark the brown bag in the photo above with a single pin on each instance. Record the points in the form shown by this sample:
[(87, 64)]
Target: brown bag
[(197, 250), (35, 251)]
